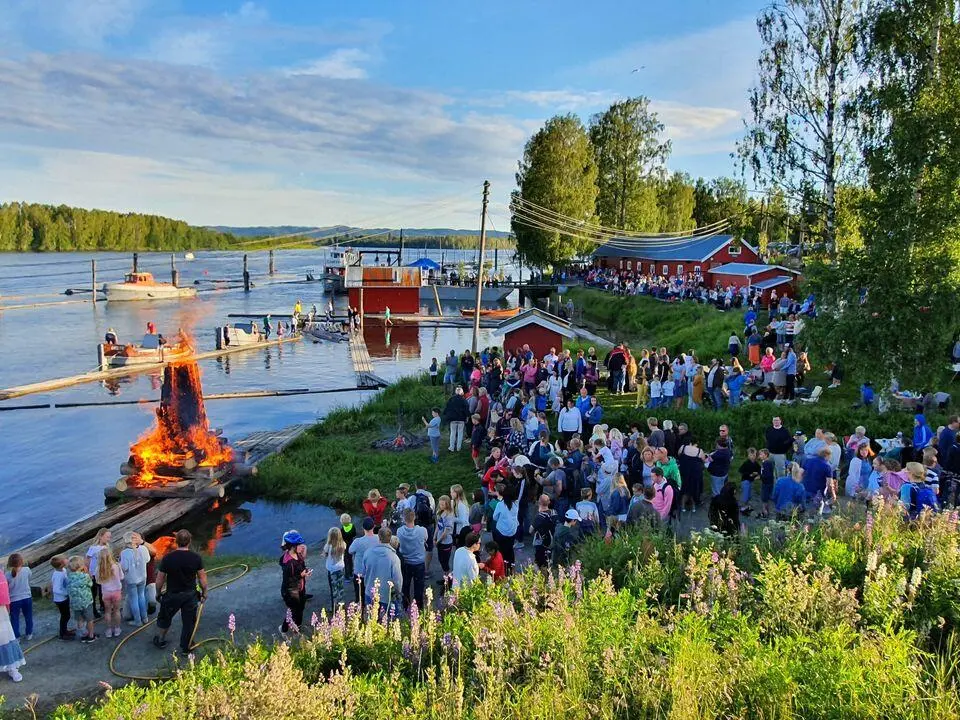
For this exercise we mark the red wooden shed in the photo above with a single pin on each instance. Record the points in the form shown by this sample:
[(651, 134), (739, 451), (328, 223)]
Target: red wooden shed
[(536, 328)]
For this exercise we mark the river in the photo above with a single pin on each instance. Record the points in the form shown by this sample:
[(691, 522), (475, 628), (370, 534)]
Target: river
[(54, 463)]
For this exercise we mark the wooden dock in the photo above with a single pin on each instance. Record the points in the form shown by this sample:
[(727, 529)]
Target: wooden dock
[(101, 375), (147, 517), (362, 365)]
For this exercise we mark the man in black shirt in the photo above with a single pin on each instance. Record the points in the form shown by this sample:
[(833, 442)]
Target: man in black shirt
[(177, 579)]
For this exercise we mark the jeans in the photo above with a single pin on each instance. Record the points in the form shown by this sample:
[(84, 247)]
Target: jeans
[(449, 376), (779, 463), (137, 601), (413, 583), (717, 483), (21, 606), (717, 395), (335, 580), (521, 518), (619, 379), (746, 487), (456, 435), (435, 445)]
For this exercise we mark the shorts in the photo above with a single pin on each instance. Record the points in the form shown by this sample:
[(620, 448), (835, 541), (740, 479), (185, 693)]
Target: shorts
[(766, 491), (83, 615), (474, 453), (112, 597)]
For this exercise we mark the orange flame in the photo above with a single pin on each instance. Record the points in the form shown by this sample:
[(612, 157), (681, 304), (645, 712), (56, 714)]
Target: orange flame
[(181, 431)]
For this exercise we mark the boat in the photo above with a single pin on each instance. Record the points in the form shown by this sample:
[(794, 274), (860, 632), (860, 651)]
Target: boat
[(333, 274), (188, 256), (239, 335), (149, 351), (497, 313), (326, 330), (142, 286), (465, 293)]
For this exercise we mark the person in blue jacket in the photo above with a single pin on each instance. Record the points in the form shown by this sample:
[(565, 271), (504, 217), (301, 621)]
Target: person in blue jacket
[(789, 494)]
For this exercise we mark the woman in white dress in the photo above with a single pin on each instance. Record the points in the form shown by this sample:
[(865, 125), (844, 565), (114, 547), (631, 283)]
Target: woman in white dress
[(11, 656)]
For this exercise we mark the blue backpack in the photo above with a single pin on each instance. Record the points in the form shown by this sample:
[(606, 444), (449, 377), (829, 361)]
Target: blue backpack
[(922, 496)]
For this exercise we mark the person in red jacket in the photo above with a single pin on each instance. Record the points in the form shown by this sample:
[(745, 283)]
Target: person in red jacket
[(494, 564), (374, 507)]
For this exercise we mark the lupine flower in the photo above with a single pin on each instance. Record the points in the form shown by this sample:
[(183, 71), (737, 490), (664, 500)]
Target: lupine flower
[(290, 623), (871, 562), (915, 577), (407, 649), (446, 640), (232, 625), (314, 621)]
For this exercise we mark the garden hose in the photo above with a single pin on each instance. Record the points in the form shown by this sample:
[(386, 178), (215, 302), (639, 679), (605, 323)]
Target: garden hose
[(193, 646)]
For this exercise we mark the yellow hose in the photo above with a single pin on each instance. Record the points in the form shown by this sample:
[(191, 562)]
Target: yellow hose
[(116, 650)]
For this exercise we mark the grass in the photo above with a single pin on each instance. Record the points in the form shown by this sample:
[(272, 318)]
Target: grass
[(852, 617), (333, 463)]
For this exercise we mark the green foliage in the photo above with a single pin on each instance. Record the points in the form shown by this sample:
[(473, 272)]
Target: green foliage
[(334, 464), (630, 157), (747, 635), (558, 172), (677, 201), (48, 228)]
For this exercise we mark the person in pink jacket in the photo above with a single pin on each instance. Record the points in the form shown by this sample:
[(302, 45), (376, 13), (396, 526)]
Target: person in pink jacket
[(663, 498)]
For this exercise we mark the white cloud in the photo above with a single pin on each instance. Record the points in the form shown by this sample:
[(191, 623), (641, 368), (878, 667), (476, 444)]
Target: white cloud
[(192, 47), (689, 122), (561, 100), (341, 64)]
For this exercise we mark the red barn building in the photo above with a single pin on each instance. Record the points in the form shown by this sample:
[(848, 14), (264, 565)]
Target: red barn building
[(536, 328), (372, 289), (722, 259)]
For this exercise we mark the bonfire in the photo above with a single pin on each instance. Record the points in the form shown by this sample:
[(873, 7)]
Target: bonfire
[(399, 439)]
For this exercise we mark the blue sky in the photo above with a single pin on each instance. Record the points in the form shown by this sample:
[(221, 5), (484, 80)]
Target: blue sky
[(369, 113)]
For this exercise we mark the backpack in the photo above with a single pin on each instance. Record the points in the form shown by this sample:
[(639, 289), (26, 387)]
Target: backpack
[(921, 497), (424, 513), (572, 484), (543, 535), (676, 494)]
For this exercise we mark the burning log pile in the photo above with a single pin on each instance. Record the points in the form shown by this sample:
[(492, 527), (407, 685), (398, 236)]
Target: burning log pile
[(180, 456), (399, 440)]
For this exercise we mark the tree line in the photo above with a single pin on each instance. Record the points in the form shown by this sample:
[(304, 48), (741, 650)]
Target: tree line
[(26, 227), (852, 145)]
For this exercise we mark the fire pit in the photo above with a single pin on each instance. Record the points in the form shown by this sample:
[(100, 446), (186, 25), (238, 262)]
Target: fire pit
[(180, 455), (399, 440)]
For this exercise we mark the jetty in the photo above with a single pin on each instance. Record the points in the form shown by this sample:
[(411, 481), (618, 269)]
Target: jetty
[(113, 373), (363, 365), (143, 515)]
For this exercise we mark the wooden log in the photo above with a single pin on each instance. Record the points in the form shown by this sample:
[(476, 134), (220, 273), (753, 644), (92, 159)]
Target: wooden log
[(241, 470), (163, 492), (190, 463)]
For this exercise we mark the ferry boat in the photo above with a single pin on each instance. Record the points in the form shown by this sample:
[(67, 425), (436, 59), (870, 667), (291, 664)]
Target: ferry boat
[(142, 286), (149, 351), (333, 274)]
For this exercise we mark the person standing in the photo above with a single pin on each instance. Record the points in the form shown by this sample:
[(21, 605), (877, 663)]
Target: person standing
[(779, 443), (133, 562), (11, 655), (356, 551), (456, 413), (506, 523), (790, 370), (382, 572), (466, 570), (180, 571), (433, 433), (413, 552)]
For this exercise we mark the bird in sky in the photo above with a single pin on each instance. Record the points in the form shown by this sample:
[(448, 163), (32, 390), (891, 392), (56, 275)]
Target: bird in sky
[(638, 69)]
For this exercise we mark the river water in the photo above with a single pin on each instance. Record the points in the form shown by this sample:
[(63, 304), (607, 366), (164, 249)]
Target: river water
[(54, 463)]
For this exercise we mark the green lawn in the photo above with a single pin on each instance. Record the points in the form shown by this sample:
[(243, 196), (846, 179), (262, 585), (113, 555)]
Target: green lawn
[(334, 464)]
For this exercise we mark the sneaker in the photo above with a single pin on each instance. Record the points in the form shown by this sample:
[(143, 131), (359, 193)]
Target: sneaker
[(108, 633), (157, 642), (89, 639), (15, 675), (28, 638), (117, 632)]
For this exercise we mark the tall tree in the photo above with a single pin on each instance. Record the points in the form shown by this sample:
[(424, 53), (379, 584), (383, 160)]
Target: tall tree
[(891, 305), (557, 172), (800, 133), (630, 155), (676, 200)]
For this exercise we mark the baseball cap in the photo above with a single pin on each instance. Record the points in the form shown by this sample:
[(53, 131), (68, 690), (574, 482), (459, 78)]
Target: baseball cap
[(521, 460), (798, 433), (368, 523), (572, 515)]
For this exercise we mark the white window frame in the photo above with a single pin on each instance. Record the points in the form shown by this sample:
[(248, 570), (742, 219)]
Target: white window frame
[(679, 270), (666, 270), (653, 268), (696, 269), (629, 264), (734, 250)]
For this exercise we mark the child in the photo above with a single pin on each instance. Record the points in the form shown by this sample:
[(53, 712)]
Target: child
[(768, 471), (656, 393), (493, 499), (334, 551), (93, 552), (348, 531), (477, 436), (494, 564), (643, 391), (667, 390), (11, 656), (434, 368), (476, 511), (58, 587), (588, 511), (21, 597), (433, 433), (749, 472), (80, 590), (110, 578), (443, 533)]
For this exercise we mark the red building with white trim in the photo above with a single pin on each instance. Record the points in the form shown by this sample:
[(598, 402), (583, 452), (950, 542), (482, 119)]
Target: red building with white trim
[(536, 328)]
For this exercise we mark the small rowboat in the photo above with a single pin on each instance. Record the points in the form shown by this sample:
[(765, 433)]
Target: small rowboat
[(507, 313), (329, 331), (149, 352)]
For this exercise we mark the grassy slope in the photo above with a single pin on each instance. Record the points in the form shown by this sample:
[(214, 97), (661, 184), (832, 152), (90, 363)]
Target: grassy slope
[(334, 464)]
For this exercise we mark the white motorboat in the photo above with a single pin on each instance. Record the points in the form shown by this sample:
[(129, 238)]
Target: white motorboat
[(188, 256), (142, 286), (149, 351), (239, 335)]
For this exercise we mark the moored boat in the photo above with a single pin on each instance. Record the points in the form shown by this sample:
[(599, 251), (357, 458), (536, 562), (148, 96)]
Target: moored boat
[(239, 335), (148, 352), (142, 286), (464, 293), (491, 313), (326, 330)]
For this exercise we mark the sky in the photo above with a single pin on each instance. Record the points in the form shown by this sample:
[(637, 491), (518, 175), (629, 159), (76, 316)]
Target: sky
[(373, 113)]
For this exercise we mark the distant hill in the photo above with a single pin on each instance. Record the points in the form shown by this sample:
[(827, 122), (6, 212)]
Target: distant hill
[(274, 230)]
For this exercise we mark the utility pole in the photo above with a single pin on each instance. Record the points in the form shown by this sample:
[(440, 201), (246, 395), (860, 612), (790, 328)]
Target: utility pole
[(93, 280), (174, 275), (483, 247)]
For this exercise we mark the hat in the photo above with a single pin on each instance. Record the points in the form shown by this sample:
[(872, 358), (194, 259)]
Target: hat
[(521, 461), (572, 515), (368, 523), (292, 537), (798, 433)]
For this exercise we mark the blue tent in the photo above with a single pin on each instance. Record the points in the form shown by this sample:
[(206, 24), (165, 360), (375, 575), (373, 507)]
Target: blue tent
[(425, 264)]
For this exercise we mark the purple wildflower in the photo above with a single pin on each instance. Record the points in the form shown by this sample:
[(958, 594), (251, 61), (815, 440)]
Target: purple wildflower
[(407, 649), (290, 623), (232, 624), (446, 640)]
